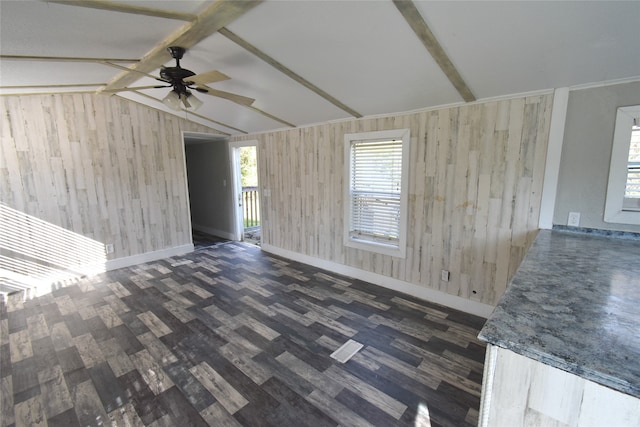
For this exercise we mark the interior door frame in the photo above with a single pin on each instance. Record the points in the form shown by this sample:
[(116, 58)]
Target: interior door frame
[(206, 138), (234, 158)]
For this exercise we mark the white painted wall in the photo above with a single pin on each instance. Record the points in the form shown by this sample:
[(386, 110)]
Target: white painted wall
[(586, 153)]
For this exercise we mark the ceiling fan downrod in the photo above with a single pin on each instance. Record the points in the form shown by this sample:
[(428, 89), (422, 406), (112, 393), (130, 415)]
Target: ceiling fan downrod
[(177, 53)]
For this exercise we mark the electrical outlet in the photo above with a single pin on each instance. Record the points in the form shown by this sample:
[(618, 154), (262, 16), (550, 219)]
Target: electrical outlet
[(108, 248), (574, 219), (444, 275)]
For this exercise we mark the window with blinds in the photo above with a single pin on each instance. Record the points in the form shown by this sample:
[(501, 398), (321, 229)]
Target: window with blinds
[(622, 204), (375, 191), (632, 187)]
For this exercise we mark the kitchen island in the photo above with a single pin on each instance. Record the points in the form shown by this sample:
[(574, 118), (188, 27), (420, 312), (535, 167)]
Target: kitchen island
[(564, 340)]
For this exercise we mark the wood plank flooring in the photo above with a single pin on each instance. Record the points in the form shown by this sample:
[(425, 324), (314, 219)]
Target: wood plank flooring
[(203, 240), (231, 336)]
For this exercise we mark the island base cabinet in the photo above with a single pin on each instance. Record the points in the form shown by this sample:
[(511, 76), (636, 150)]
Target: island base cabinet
[(519, 391)]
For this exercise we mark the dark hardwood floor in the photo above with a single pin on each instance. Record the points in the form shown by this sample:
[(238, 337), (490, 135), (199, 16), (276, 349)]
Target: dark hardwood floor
[(227, 336)]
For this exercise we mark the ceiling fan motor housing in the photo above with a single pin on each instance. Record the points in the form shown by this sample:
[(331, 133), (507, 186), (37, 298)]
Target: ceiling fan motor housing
[(176, 75)]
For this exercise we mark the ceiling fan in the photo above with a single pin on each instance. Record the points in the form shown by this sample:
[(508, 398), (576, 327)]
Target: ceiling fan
[(183, 81)]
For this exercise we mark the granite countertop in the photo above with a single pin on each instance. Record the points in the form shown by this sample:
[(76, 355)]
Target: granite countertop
[(574, 304)]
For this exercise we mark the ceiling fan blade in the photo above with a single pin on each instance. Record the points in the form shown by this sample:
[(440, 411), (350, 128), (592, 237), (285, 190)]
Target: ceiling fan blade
[(208, 77), (239, 99), (133, 88)]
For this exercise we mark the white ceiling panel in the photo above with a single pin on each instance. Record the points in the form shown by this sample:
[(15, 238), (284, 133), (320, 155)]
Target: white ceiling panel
[(53, 73), (235, 115), (49, 29), (506, 47), (361, 52), (250, 76)]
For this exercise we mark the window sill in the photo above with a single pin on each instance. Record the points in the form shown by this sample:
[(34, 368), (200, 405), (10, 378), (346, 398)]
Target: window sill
[(622, 217), (379, 248)]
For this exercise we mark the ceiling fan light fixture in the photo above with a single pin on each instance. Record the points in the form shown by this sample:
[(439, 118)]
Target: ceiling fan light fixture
[(172, 100), (191, 102)]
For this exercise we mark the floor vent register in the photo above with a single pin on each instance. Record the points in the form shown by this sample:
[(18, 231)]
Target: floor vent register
[(346, 351)]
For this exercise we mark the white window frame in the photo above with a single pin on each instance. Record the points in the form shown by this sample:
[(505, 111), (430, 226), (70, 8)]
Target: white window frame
[(614, 211), (378, 247)]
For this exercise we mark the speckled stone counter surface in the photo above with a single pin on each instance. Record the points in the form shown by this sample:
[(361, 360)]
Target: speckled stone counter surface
[(574, 304)]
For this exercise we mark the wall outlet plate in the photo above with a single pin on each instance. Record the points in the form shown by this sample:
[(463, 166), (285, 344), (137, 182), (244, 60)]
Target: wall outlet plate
[(444, 275), (574, 219), (108, 248)]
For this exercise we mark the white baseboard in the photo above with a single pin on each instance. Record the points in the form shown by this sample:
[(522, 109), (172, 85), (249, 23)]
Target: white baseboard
[(431, 295), (214, 232), (127, 261)]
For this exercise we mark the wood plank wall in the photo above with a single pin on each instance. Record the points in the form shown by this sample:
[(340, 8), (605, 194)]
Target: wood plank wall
[(474, 193), (103, 167), (519, 391)]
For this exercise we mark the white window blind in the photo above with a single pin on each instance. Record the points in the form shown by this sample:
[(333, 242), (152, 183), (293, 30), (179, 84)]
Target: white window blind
[(632, 187), (376, 185)]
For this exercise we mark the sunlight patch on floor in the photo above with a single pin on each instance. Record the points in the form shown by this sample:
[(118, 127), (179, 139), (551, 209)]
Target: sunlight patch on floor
[(423, 418), (36, 255)]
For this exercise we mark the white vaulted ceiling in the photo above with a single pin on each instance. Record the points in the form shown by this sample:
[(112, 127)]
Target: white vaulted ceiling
[(343, 58)]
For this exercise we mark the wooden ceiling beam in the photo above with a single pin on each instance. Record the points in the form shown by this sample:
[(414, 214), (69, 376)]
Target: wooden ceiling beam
[(217, 15), (271, 116), (411, 14), (209, 21), (197, 115), (286, 71), (55, 92), (53, 86), (65, 59), (120, 67), (126, 8), (257, 110)]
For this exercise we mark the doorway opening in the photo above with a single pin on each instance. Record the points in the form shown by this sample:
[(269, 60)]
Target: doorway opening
[(209, 188), (245, 172)]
